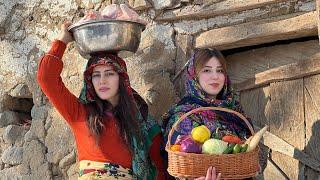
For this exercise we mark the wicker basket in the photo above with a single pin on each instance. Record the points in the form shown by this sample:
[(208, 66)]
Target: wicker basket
[(232, 166)]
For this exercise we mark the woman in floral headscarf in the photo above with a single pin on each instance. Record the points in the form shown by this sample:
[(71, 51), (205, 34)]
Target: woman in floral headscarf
[(115, 136), (207, 85)]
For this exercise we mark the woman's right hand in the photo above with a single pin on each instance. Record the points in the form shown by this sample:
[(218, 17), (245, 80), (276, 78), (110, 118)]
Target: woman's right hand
[(65, 36), (211, 175)]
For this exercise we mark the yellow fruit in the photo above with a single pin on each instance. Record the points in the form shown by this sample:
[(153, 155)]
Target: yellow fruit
[(200, 134)]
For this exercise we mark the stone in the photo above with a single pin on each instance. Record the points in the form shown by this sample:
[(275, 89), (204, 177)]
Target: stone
[(14, 134), (158, 38), (59, 8), (21, 91), (163, 4), (34, 158), (8, 117), (12, 173), (73, 171), (191, 27), (13, 61), (151, 67), (1, 165), (68, 160), (5, 9), (59, 139), (211, 9), (38, 129), (30, 149), (29, 136), (39, 115), (139, 4), (184, 50), (42, 173), (154, 86), (13, 155), (39, 112), (258, 33)]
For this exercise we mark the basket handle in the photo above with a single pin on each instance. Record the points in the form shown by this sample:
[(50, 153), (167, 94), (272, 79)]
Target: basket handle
[(202, 109)]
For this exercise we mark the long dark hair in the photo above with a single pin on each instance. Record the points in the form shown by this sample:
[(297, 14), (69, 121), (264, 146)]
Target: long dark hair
[(100, 111)]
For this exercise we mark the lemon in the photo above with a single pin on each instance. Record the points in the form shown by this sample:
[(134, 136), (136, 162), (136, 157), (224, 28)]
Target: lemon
[(200, 133)]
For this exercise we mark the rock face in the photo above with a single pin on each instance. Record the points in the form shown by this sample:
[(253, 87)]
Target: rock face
[(36, 142)]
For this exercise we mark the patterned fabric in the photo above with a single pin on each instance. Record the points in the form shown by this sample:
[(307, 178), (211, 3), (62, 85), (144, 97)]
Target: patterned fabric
[(142, 165), (219, 123), (88, 93), (91, 170)]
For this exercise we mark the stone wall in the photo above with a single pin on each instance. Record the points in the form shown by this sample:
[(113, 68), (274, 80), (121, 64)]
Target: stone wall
[(36, 143)]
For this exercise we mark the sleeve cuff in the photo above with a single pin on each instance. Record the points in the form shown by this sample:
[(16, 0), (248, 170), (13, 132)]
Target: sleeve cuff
[(57, 48)]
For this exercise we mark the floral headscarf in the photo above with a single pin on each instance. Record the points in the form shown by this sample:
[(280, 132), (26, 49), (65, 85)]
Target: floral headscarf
[(142, 166), (219, 123), (88, 93)]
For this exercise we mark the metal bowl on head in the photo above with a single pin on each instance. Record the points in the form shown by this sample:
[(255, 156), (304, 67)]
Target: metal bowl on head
[(109, 36)]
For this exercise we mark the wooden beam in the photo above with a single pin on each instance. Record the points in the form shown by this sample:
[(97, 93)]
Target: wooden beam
[(285, 114), (245, 65), (312, 116), (318, 17), (254, 33), (277, 144), (213, 9), (287, 72)]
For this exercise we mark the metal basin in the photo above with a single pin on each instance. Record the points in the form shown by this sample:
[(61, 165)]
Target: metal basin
[(106, 36)]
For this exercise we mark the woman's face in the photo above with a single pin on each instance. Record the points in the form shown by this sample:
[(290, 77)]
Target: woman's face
[(106, 83), (211, 77)]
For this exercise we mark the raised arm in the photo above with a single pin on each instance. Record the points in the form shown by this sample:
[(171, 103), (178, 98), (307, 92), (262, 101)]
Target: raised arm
[(50, 81)]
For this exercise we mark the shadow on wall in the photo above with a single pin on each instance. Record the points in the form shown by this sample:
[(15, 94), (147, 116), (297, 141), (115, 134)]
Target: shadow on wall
[(313, 150)]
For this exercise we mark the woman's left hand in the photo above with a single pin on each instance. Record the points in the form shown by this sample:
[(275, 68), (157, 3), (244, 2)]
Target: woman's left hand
[(211, 175)]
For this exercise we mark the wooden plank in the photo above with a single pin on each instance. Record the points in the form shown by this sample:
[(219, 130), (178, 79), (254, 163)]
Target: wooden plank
[(312, 116), (245, 65), (286, 116), (271, 173), (287, 72), (256, 110), (279, 145), (213, 9), (254, 33), (318, 18)]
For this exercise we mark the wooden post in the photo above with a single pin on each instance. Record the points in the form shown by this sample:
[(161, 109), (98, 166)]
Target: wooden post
[(318, 18), (312, 116), (285, 113)]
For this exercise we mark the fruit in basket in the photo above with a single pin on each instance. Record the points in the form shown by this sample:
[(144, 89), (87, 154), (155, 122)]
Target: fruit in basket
[(175, 147), (200, 133), (230, 138), (190, 146), (214, 146)]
